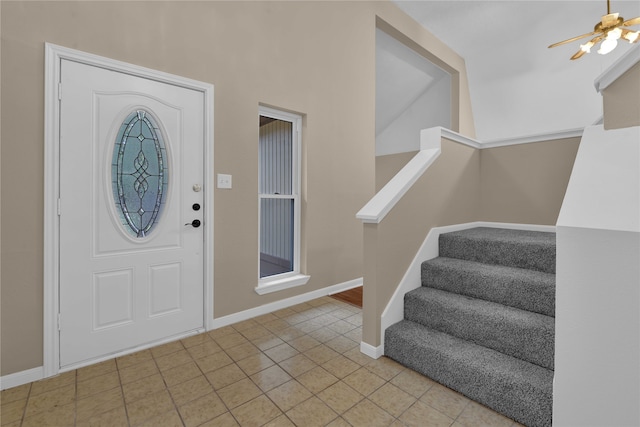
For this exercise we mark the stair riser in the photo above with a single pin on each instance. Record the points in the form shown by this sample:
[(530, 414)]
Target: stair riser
[(520, 334), (525, 289), (540, 257), (512, 394), (483, 321)]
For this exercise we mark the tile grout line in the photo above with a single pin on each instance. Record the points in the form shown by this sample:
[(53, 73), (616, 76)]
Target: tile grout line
[(263, 392), (124, 400), (166, 386), (26, 405), (75, 401)]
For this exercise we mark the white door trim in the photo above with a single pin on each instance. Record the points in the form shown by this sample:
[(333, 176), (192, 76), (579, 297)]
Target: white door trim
[(53, 59)]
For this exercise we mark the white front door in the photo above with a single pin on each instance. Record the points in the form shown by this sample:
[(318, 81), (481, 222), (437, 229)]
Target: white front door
[(131, 247)]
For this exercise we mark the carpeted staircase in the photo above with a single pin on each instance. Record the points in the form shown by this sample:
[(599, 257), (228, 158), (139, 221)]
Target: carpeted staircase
[(483, 321)]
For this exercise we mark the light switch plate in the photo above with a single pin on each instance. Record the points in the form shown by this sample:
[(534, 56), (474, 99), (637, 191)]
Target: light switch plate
[(224, 181)]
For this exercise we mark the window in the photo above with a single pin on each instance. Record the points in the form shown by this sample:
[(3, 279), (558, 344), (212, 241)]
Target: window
[(139, 173), (279, 145)]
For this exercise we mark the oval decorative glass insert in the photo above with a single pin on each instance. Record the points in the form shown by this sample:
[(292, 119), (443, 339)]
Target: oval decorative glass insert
[(139, 174)]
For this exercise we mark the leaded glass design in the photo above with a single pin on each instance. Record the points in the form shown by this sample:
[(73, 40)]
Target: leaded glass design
[(139, 173)]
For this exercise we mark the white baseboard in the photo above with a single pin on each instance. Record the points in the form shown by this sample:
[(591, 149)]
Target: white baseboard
[(515, 226), (351, 284), (371, 351), (278, 305), (22, 377), (394, 311), (36, 374)]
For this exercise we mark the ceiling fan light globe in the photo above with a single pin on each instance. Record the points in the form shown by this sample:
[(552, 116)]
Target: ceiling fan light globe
[(586, 47), (632, 36), (607, 46), (614, 34)]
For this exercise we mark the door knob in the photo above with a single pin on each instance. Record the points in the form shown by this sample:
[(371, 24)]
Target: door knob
[(195, 223)]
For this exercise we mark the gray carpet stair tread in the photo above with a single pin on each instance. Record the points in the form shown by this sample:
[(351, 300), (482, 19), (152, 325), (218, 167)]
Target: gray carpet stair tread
[(515, 248), (518, 333), (517, 287), (482, 323), (513, 387)]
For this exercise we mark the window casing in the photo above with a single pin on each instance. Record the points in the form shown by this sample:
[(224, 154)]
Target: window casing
[(279, 212)]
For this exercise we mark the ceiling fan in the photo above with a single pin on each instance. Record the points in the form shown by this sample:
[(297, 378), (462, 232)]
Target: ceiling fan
[(611, 28)]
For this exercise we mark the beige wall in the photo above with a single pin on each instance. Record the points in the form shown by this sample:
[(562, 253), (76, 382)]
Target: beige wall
[(447, 193), (526, 183), (389, 165), (315, 58), (519, 183), (515, 184), (621, 100)]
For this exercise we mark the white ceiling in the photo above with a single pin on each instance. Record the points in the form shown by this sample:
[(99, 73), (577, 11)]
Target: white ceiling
[(519, 87)]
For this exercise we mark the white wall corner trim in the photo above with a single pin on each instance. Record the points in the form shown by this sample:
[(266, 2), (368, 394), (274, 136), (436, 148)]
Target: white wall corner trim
[(54, 55), (284, 303), (618, 68), (22, 377), (371, 351), (394, 311)]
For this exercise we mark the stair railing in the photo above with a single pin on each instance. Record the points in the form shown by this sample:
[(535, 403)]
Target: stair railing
[(430, 148), (378, 286)]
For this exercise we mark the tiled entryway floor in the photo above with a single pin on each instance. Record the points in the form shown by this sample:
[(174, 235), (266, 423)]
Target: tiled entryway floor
[(298, 366)]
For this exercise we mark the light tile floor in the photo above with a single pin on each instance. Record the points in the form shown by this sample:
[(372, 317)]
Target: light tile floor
[(299, 366)]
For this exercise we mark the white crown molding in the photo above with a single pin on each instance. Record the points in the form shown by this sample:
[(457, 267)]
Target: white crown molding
[(432, 133), (540, 137), (618, 68), (457, 137)]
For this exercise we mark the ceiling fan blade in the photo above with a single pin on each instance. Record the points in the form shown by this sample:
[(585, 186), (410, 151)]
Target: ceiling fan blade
[(631, 22), (574, 39), (578, 54), (591, 43)]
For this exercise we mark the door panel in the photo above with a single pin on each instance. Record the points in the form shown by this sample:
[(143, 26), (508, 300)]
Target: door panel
[(131, 152), (164, 295), (112, 296)]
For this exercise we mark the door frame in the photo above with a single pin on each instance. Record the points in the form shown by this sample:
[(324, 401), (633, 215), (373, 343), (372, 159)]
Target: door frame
[(51, 271)]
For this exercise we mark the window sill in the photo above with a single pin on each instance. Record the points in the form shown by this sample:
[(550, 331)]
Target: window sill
[(273, 285)]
